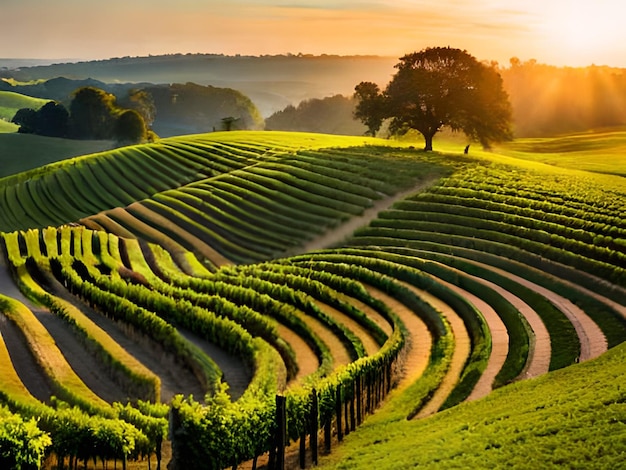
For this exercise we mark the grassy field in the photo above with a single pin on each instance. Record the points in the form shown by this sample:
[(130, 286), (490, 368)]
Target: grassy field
[(560, 420), (499, 261), (11, 102), (7, 127), (600, 151), (22, 152)]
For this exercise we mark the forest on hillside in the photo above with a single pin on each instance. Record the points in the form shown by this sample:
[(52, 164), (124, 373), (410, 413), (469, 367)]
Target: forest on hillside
[(299, 92)]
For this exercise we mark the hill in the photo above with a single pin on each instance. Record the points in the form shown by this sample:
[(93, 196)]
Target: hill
[(180, 108), (23, 152), (10, 103), (556, 421), (272, 82), (348, 276), (578, 98)]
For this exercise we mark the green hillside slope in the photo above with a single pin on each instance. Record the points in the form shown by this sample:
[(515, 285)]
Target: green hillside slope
[(368, 283), (11, 102), (574, 418)]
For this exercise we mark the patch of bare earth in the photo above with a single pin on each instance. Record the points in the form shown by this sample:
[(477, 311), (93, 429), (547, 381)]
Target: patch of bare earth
[(23, 361), (369, 344), (592, 340), (307, 360), (342, 232), (499, 343), (418, 344), (460, 353)]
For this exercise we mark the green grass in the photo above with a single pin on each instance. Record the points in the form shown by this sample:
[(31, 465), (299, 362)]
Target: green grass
[(23, 152), (573, 418), (7, 127), (11, 102), (553, 204), (598, 151)]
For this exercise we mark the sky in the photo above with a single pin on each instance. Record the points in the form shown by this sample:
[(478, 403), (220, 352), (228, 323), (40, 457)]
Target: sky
[(556, 32)]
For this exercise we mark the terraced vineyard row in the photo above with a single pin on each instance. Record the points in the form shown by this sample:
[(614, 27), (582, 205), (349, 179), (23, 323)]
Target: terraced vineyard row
[(465, 286)]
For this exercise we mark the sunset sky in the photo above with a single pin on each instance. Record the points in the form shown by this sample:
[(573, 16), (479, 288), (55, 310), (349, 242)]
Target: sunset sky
[(559, 32)]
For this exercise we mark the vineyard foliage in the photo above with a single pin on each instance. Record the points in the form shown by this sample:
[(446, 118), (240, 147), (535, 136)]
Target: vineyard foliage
[(467, 273)]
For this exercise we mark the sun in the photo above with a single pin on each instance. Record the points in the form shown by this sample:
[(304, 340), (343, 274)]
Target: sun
[(583, 28)]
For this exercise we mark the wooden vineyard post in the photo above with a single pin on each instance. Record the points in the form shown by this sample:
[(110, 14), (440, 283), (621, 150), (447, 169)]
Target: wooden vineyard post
[(368, 403), (346, 415), (303, 449), (359, 399), (313, 420), (338, 413), (281, 432), (352, 407)]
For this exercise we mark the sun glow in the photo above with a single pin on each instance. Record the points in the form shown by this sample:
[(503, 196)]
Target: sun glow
[(583, 29)]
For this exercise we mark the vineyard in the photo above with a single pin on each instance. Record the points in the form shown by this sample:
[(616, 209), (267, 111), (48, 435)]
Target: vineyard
[(184, 298)]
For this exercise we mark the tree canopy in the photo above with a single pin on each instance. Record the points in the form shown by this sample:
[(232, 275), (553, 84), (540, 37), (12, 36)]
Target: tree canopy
[(436, 88), (51, 120)]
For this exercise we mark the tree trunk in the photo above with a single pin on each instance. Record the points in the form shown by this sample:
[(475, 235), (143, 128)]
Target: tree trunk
[(428, 141)]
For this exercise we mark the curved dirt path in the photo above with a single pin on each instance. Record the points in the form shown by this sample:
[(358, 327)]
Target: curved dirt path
[(499, 342), (90, 370), (174, 378), (371, 313), (307, 360), (345, 230), (338, 350), (236, 374), (539, 347), (23, 361), (369, 344), (460, 353), (419, 341), (592, 340)]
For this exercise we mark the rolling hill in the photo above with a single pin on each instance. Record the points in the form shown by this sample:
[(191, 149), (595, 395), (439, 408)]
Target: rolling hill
[(360, 283)]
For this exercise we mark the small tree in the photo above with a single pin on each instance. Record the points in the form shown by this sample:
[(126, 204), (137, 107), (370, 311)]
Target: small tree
[(50, 120), (370, 108), (26, 118), (53, 120), (440, 87), (130, 128)]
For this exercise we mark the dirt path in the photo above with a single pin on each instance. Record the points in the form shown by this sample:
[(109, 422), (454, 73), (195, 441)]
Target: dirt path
[(87, 367), (369, 344), (174, 378), (236, 374), (345, 230), (23, 361), (306, 358), (372, 314), (540, 348), (592, 340), (462, 349), (338, 350), (499, 342), (419, 342)]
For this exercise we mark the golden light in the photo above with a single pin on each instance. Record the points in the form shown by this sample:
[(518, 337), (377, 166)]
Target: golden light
[(583, 28)]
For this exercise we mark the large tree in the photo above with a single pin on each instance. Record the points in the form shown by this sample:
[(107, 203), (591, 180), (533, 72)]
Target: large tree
[(442, 87)]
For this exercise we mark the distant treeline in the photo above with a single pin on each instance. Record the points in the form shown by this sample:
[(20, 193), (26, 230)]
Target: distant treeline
[(546, 100), (332, 115), (299, 92), (550, 100), (170, 109)]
